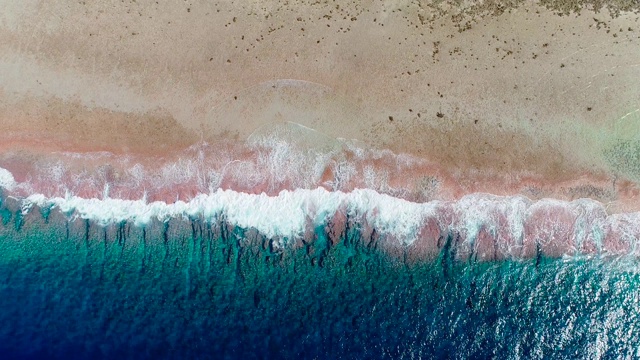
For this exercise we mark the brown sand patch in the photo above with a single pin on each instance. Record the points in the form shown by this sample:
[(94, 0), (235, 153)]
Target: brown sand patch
[(470, 146), (69, 125)]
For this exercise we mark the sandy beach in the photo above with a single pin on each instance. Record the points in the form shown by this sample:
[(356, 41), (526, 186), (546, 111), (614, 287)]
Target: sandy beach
[(490, 97)]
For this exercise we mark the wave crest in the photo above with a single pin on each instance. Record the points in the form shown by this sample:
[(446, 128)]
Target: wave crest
[(479, 226)]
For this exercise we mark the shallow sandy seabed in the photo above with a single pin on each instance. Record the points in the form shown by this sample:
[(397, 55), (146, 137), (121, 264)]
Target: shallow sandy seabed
[(477, 97)]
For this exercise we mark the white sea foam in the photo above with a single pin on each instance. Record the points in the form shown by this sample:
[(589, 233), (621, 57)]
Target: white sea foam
[(284, 215), (6, 179), (579, 224), (478, 211), (288, 214)]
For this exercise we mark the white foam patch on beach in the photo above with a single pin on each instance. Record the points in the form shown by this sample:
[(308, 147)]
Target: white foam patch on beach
[(6, 179)]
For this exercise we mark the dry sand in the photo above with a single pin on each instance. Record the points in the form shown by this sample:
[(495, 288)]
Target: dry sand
[(486, 90)]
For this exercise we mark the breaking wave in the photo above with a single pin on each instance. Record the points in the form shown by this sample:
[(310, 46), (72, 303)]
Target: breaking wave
[(484, 226)]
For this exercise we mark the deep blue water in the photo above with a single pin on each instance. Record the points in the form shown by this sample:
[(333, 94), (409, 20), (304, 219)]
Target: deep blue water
[(191, 290)]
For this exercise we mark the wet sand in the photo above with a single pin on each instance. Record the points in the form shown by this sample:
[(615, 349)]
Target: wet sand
[(499, 99)]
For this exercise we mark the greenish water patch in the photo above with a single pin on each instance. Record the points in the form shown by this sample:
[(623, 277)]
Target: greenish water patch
[(624, 158), (599, 149)]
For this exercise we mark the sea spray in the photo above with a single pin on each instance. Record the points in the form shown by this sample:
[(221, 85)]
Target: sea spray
[(490, 227)]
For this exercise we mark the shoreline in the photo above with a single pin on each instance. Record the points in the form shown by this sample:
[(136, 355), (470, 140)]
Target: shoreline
[(518, 100), (276, 165)]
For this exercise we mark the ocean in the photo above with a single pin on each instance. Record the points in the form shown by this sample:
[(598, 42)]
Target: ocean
[(91, 279)]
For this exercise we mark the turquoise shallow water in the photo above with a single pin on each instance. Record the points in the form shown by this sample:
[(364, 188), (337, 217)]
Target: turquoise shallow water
[(189, 289)]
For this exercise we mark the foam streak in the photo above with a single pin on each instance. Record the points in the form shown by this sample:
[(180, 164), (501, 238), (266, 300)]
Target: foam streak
[(480, 225)]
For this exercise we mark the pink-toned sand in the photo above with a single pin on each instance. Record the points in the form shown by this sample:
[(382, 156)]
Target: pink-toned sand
[(183, 173)]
